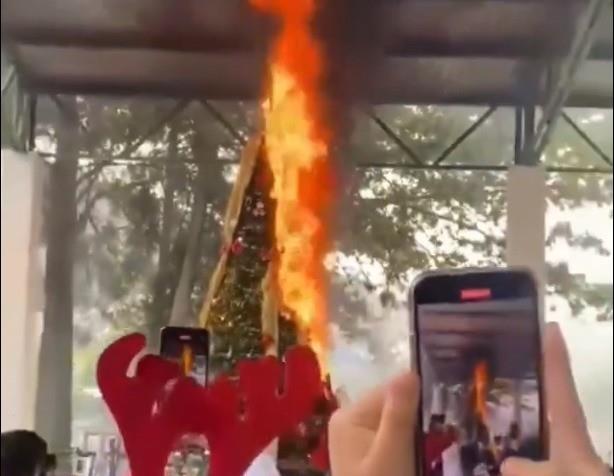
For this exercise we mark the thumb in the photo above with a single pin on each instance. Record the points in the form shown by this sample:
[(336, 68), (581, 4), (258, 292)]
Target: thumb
[(568, 428), (393, 447), (525, 467)]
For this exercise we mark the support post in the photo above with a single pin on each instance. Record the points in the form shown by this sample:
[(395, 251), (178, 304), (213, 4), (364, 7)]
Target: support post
[(526, 204), (526, 226), (21, 287)]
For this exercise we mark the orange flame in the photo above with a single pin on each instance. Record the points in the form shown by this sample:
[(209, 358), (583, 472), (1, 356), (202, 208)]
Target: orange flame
[(480, 382), (297, 149), (187, 359)]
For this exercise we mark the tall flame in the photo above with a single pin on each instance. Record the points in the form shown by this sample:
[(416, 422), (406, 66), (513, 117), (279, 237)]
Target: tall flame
[(480, 382), (297, 148), (187, 359)]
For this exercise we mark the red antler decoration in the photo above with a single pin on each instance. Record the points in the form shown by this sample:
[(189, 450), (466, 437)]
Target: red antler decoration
[(158, 406)]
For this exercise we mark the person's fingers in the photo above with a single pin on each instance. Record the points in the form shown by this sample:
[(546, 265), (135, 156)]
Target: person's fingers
[(367, 411), (392, 449), (525, 467), (567, 421), (347, 444), (351, 431)]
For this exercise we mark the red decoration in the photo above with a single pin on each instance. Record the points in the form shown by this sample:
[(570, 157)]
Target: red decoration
[(157, 406), (237, 247)]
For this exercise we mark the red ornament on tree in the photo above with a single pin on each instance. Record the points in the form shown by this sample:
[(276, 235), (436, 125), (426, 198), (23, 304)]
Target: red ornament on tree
[(237, 247), (157, 406)]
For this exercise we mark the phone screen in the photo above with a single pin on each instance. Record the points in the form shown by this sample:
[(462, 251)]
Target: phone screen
[(188, 347), (478, 349)]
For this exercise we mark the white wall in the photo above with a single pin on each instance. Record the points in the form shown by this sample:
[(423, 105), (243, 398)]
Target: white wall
[(21, 287)]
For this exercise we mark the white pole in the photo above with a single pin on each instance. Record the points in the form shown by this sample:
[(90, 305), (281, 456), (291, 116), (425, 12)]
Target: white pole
[(526, 224), (21, 287)]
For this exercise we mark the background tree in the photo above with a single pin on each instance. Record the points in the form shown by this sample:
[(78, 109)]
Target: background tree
[(53, 408)]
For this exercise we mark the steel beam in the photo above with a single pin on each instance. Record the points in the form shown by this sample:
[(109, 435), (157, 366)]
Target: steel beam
[(590, 142), (473, 81), (528, 28), (460, 139)]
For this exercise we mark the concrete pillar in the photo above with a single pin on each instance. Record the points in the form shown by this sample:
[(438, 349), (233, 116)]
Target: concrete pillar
[(526, 224), (22, 296)]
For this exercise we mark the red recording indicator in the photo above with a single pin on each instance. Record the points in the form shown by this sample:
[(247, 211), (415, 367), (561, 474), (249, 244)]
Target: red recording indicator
[(475, 294)]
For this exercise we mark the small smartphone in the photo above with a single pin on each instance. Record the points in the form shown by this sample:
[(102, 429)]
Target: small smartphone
[(477, 348), (189, 347)]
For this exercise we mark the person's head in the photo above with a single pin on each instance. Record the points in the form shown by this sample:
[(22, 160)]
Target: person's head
[(24, 453)]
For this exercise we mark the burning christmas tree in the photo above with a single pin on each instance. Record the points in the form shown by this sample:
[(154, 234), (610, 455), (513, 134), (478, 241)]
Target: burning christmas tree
[(241, 306), (276, 233)]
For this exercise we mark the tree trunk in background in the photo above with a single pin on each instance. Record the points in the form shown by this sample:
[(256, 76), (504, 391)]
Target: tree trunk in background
[(181, 314), (161, 292), (205, 189), (54, 392)]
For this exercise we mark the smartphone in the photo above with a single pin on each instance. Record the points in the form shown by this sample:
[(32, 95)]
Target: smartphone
[(189, 347), (477, 348)]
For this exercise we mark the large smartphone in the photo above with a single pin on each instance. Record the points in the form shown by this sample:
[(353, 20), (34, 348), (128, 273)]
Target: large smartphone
[(477, 348), (189, 347)]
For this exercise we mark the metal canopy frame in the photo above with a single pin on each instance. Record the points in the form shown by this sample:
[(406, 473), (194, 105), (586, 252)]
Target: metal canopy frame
[(523, 133), (588, 42), (563, 80), (489, 52), (530, 140)]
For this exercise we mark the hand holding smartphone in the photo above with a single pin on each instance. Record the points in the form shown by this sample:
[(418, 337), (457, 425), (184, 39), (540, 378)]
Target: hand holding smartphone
[(477, 348)]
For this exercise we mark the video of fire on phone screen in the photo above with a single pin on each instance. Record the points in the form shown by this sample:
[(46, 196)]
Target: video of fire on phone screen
[(480, 386)]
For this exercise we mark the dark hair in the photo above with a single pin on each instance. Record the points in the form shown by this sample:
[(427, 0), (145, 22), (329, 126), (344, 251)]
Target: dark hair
[(23, 453)]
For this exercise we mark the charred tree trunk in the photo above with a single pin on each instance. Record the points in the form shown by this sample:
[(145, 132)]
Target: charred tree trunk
[(54, 392)]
